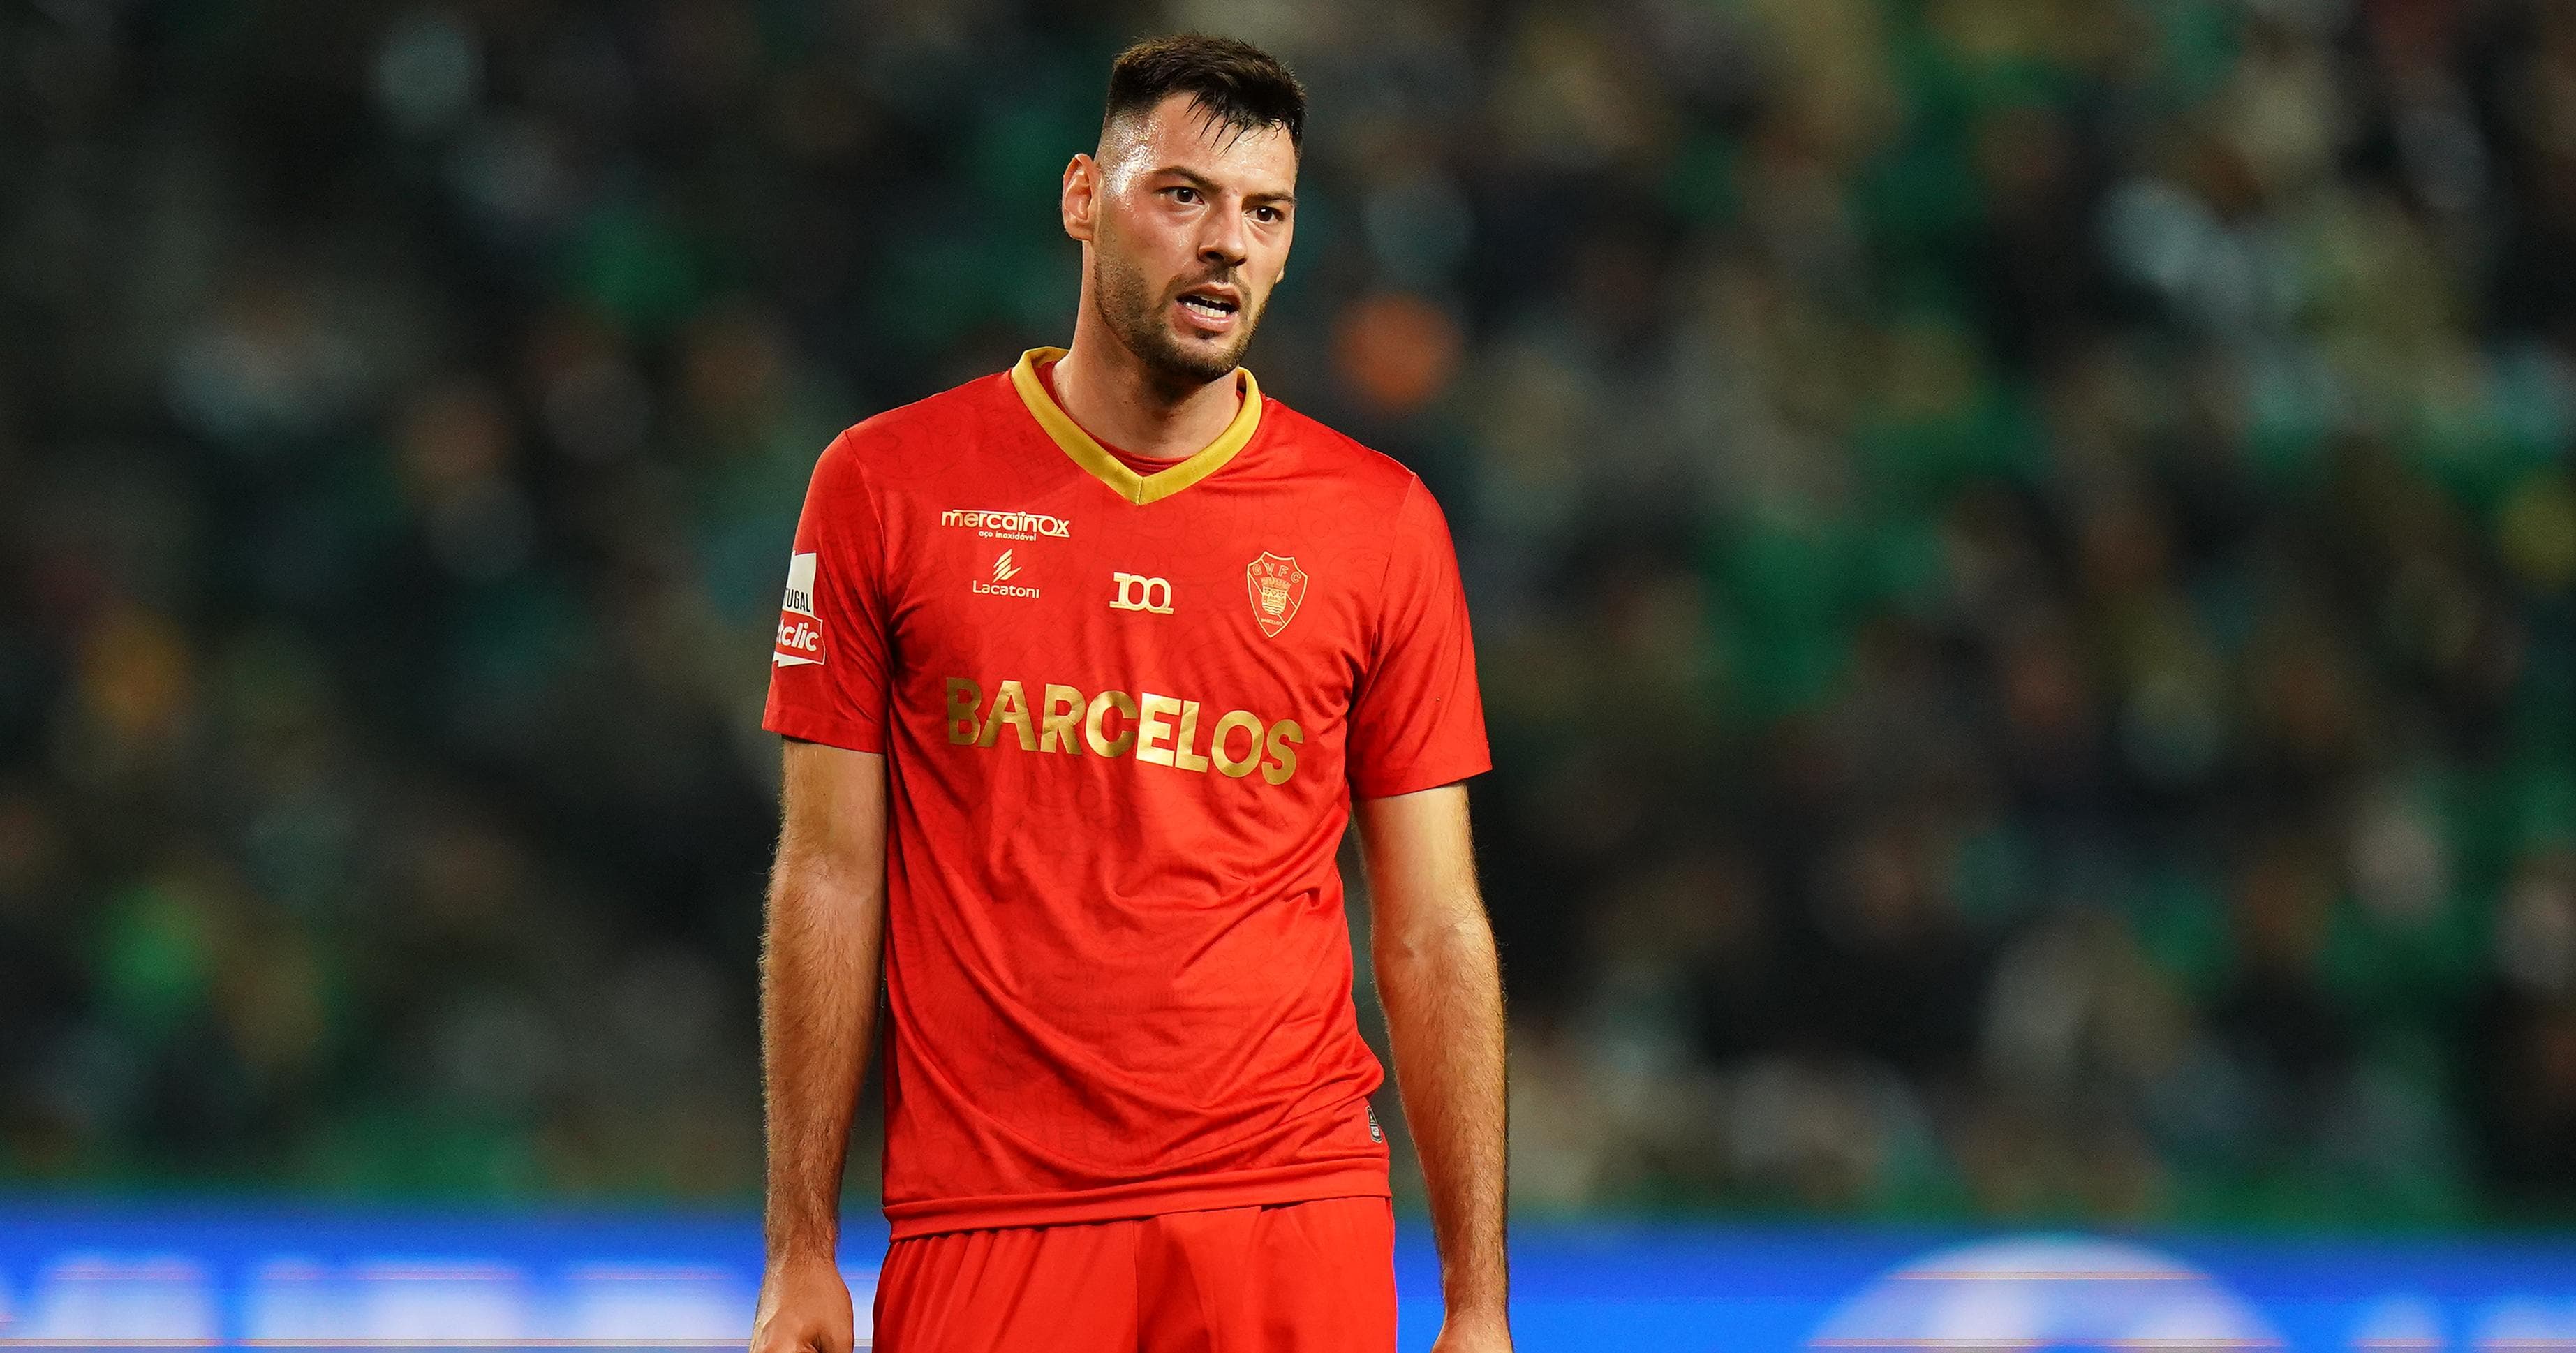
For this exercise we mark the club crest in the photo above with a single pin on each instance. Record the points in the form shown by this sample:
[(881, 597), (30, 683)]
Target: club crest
[(1278, 587)]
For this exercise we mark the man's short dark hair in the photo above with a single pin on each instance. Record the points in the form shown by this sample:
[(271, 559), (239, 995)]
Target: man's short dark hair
[(1235, 84)]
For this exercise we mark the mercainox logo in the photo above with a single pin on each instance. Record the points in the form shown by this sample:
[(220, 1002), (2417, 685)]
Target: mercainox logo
[(988, 522)]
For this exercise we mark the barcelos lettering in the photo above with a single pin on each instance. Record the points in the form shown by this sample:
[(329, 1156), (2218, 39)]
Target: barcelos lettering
[(1161, 730), (1137, 593)]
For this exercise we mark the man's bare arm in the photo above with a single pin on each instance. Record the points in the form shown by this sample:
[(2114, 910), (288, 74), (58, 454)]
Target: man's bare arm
[(1441, 982), (821, 947)]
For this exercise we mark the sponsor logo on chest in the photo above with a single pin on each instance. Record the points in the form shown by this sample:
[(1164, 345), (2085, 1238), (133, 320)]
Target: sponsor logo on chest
[(1136, 592), (1008, 525), (1053, 719), (1004, 570)]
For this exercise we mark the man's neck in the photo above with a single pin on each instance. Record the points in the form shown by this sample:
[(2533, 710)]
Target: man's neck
[(1118, 400)]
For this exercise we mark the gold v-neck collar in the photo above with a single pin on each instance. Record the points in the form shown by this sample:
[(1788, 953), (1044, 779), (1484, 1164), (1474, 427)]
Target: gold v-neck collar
[(1106, 466)]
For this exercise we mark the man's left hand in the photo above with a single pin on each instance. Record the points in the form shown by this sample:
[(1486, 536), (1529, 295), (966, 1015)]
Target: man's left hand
[(1474, 1334)]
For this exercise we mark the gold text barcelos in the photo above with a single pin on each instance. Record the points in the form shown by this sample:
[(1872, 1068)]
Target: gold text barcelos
[(1162, 729)]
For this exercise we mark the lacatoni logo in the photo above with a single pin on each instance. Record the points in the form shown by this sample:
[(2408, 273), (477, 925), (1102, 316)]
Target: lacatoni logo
[(800, 639), (1162, 730), (1003, 571), (1014, 525)]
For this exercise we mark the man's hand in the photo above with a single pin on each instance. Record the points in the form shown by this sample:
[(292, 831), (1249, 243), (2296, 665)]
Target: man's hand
[(805, 1308), (1472, 1334)]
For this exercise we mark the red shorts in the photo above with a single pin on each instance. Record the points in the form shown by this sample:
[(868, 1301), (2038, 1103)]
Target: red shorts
[(1283, 1278)]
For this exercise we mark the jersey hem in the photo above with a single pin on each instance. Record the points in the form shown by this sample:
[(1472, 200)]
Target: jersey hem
[(788, 721), (1239, 1188), (1388, 786)]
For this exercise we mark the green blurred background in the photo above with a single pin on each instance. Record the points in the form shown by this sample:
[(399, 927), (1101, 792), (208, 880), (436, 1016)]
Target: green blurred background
[(2024, 558)]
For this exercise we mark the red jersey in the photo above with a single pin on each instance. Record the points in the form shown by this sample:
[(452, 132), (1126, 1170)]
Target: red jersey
[(1124, 705)]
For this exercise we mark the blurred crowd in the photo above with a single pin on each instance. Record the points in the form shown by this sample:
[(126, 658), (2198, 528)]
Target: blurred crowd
[(2024, 556)]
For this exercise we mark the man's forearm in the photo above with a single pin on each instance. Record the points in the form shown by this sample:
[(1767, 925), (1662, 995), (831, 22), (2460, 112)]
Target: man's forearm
[(1442, 990), (818, 1003)]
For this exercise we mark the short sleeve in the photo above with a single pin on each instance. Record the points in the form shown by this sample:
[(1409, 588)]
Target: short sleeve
[(828, 675), (1418, 721)]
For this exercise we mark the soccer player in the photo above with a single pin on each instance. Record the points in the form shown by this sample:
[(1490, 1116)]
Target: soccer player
[(1085, 667)]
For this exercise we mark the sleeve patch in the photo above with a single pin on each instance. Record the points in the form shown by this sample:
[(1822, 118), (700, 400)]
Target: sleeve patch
[(800, 635)]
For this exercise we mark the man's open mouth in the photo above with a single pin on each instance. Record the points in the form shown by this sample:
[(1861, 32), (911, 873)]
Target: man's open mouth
[(1214, 307)]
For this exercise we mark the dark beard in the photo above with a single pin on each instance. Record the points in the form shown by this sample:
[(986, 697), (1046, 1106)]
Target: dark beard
[(1135, 315)]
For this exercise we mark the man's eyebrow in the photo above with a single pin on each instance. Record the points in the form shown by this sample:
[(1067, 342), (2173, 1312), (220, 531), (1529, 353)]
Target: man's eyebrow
[(1208, 185)]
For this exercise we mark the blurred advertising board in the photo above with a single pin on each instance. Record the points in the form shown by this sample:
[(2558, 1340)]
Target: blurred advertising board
[(249, 1276)]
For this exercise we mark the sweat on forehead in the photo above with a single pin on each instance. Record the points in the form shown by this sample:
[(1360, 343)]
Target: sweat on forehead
[(1125, 134)]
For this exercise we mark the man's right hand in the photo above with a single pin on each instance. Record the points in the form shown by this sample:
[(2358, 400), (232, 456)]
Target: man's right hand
[(804, 1308)]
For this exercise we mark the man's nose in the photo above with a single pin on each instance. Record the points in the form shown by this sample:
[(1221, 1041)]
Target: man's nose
[(1224, 240)]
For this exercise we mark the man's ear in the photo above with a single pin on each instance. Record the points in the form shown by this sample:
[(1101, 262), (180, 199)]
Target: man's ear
[(1081, 198)]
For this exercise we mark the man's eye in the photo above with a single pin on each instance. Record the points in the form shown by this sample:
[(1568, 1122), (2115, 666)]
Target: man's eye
[(1184, 194), (1266, 215)]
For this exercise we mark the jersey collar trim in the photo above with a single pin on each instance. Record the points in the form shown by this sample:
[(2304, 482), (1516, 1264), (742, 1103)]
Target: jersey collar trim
[(1088, 453)]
